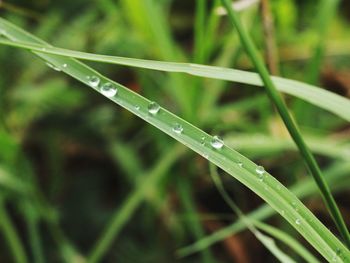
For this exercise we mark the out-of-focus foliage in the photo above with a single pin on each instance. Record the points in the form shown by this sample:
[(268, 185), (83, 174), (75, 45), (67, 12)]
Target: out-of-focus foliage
[(69, 159)]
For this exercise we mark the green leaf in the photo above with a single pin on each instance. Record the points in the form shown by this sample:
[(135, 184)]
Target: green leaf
[(336, 176), (241, 168), (268, 242), (322, 98)]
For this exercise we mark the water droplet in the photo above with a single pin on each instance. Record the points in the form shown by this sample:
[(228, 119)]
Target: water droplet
[(178, 128), (53, 66), (298, 221), (240, 164), (43, 49), (108, 89), (260, 170), (217, 142), (137, 107), (94, 81), (64, 65), (153, 108)]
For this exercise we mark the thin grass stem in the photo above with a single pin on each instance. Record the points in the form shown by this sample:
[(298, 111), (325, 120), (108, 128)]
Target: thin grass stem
[(292, 127)]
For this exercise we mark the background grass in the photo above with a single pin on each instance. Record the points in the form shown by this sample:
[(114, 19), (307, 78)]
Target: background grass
[(80, 156)]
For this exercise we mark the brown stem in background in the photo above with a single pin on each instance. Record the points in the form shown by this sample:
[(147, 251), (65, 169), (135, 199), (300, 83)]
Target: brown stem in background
[(269, 37)]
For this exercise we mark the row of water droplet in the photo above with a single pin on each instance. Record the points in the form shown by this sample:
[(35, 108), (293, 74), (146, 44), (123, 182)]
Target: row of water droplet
[(55, 67), (108, 89), (216, 142)]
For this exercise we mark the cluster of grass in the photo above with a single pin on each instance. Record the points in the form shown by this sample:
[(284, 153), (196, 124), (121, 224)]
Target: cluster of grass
[(71, 160)]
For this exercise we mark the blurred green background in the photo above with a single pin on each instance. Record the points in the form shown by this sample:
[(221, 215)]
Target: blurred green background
[(71, 161)]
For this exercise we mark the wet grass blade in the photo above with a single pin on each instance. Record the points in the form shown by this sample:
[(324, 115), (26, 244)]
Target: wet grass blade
[(288, 240), (303, 189), (235, 164), (289, 122), (268, 242), (322, 98)]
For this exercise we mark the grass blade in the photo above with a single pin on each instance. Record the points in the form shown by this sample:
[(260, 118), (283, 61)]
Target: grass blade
[(327, 10), (253, 224), (241, 168), (292, 127), (194, 224), (131, 203), (303, 189), (288, 240), (261, 145), (268, 242), (33, 232), (322, 98), (199, 31), (11, 236)]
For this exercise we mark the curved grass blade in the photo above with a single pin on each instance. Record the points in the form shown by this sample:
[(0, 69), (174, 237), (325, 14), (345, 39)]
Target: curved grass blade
[(263, 144), (268, 242), (289, 123), (241, 168), (288, 240), (322, 98), (252, 225), (337, 174)]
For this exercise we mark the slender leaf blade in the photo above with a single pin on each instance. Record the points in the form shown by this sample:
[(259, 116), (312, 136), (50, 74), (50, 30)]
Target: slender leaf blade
[(322, 98), (269, 189)]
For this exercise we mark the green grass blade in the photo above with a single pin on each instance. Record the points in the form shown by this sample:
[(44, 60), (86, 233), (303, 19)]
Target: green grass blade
[(268, 242), (327, 10), (261, 145), (11, 235), (33, 231), (12, 183), (241, 168), (322, 98), (157, 32), (199, 31), (290, 124), (288, 240), (194, 224), (131, 203), (127, 160), (302, 190), (252, 224)]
